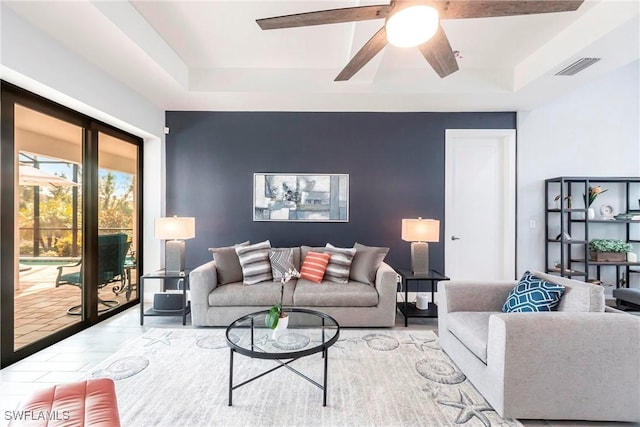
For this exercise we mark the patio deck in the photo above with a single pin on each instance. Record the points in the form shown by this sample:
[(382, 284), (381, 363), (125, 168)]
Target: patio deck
[(41, 308)]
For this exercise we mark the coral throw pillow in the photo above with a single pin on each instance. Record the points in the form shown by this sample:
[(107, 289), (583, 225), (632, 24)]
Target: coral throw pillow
[(314, 266)]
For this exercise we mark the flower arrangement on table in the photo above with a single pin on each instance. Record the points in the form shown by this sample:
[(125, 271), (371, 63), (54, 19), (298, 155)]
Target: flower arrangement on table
[(275, 313), (593, 193)]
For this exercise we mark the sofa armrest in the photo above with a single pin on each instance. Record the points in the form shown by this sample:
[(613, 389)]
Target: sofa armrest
[(387, 286), (475, 296), (604, 337), (202, 281), (582, 355), (386, 281)]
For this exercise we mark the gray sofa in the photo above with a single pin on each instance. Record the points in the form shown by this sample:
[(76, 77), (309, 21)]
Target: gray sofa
[(581, 362), (354, 303)]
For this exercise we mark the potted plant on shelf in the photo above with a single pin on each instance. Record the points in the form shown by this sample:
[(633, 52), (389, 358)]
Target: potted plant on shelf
[(590, 198), (612, 250), (276, 318)]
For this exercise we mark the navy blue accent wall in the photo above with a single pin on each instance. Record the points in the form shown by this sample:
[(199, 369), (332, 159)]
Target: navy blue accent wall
[(395, 163)]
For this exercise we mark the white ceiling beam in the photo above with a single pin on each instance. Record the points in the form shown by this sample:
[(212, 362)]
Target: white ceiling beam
[(125, 16)]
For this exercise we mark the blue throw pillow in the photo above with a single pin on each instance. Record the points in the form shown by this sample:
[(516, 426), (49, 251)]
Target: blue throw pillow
[(533, 294)]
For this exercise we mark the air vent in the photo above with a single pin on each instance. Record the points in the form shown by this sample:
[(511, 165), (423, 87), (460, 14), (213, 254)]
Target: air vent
[(577, 66)]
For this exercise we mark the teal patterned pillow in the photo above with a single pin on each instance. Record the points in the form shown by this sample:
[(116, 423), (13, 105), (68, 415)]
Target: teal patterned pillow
[(533, 294)]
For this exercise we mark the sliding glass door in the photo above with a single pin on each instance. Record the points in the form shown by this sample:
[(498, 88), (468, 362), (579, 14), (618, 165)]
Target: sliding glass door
[(48, 235), (117, 225), (70, 222)]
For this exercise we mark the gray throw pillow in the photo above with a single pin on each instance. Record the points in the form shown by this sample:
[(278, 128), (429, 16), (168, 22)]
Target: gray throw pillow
[(339, 264), (366, 262), (227, 263), (254, 260), (281, 262)]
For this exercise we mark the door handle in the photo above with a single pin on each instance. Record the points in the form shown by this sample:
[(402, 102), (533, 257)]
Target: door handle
[(455, 238)]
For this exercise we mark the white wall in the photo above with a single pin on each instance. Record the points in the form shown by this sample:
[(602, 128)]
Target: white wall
[(34, 61), (593, 131)]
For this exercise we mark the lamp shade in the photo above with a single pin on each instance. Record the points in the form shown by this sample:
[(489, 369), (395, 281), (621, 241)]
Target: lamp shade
[(421, 230), (412, 26), (175, 228)]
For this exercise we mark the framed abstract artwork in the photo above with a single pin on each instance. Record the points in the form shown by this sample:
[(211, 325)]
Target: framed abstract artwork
[(303, 197)]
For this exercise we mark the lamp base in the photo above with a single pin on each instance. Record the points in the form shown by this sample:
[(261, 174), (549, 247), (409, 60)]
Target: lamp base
[(420, 257), (174, 256)]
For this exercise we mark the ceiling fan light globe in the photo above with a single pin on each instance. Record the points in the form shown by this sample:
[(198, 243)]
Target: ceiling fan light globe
[(412, 26)]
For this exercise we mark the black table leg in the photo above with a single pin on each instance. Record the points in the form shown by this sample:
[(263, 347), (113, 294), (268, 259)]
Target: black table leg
[(184, 302), (230, 377), (406, 298), (141, 297), (325, 353)]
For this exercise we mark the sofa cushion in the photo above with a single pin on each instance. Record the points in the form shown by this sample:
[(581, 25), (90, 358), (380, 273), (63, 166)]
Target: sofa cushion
[(339, 263), (254, 260), (314, 266), (578, 296), (227, 264), (366, 262), (471, 328), (297, 262), (281, 261), (264, 294), (533, 294), (304, 250), (332, 294)]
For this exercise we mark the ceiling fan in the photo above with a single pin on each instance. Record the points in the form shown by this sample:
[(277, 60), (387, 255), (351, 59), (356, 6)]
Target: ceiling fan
[(424, 16)]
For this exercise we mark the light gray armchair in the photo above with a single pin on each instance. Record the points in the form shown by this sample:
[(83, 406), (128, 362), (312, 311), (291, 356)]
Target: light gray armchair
[(579, 363)]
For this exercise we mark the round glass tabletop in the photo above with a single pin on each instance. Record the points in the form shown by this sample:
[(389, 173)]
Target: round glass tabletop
[(308, 332)]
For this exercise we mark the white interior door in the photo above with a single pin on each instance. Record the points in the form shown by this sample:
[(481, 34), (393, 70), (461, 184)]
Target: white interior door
[(480, 204)]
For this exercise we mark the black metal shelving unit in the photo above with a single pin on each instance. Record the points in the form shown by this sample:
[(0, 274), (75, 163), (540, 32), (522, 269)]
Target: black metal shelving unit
[(573, 219)]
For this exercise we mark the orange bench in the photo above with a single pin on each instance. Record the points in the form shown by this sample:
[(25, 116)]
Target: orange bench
[(85, 403)]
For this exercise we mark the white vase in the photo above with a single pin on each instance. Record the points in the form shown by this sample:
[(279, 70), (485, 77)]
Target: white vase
[(591, 213), (283, 323)]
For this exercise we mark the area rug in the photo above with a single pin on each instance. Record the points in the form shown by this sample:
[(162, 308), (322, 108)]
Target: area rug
[(179, 377)]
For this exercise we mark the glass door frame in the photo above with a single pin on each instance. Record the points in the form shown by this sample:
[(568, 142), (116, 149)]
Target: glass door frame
[(10, 95)]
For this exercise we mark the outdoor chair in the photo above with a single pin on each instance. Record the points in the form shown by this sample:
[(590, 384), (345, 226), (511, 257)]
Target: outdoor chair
[(112, 251)]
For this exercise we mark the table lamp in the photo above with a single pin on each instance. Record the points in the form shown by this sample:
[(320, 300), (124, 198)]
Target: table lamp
[(175, 230), (419, 232)]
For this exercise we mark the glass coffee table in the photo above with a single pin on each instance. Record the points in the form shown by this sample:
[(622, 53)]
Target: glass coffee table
[(309, 332)]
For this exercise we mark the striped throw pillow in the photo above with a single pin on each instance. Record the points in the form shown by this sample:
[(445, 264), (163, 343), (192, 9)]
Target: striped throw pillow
[(340, 263), (254, 260), (314, 266)]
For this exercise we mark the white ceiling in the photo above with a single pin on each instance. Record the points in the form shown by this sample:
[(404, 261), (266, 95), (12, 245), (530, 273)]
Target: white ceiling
[(211, 55)]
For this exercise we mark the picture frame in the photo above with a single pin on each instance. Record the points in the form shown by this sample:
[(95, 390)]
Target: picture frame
[(301, 197)]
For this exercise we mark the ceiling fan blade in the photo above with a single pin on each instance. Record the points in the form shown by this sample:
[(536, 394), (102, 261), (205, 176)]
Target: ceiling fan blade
[(364, 55), (333, 16), (439, 54), (488, 8)]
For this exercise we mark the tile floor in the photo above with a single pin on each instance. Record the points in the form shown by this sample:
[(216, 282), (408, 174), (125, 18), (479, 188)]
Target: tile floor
[(71, 359)]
